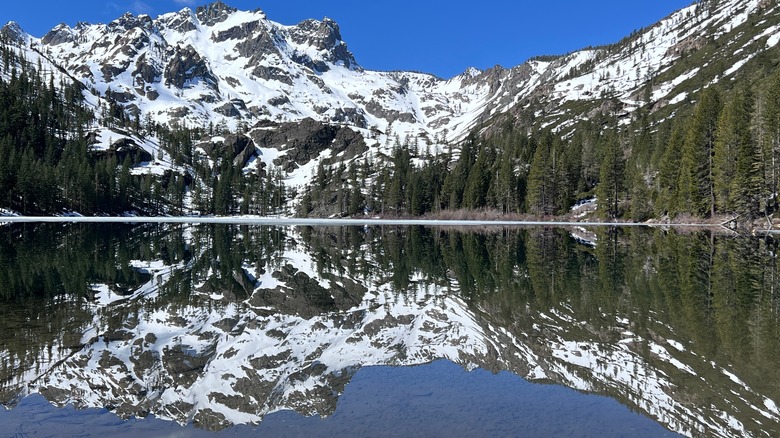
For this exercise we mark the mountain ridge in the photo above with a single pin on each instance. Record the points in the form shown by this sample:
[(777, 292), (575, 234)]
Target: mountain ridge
[(275, 55)]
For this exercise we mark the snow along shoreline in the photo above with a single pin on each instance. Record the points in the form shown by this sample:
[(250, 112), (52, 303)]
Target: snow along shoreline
[(284, 221)]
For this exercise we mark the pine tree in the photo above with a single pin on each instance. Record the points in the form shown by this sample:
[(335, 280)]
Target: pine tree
[(455, 182), (770, 128), (417, 202), (611, 178), (223, 190), (124, 184), (506, 183), (570, 174), (748, 188), (306, 205), (667, 201), (696, 185), (543, 178), (732, 141), (396, 195), (356, 200), (479, 179), (641, 204)]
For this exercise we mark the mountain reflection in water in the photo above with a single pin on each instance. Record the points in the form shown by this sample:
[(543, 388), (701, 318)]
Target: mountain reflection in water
[(220, 325)]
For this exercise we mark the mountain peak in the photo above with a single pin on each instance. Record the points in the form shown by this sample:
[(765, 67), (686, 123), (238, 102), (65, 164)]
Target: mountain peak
[(325, 37), (215, 62), (129, 21), (214, 13), (62, 33), (471, 72), (182, 21), (13, 32)]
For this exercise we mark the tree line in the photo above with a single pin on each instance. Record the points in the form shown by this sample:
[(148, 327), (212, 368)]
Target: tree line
[(718, 155), (48, 165), (46, 161)]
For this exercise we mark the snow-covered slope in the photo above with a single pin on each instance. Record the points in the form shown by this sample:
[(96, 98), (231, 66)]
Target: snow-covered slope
[(645, 68), (102, 139), (218, 64)]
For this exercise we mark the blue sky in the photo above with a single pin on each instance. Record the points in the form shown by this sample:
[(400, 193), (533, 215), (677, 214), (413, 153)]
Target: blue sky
[(442, 37)]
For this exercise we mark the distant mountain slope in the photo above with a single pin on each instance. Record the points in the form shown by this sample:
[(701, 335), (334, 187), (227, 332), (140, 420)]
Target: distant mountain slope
[(219, 64)]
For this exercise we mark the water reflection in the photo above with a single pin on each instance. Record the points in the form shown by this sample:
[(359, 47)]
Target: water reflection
[(223, 325)]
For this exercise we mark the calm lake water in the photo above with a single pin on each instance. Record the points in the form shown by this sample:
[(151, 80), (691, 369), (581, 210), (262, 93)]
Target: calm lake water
[(226, 330)]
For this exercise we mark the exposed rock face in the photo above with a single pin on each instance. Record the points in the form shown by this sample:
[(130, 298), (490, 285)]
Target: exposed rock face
[(350, 143), (146, 72), (324, 36), (214, 13), (688, 45), (234, 108), (236, 32), (236, 147), (186, 66), (350, 116), (127, 148), (182, 22), (61, 34), (306, 140), (129, 21), (375, 108), (492, 77), (13, 32), (270, 73)]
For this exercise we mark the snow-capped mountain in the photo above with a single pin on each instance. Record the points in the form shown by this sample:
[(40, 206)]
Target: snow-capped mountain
[(289, 333), (219, 64), (303, 98)]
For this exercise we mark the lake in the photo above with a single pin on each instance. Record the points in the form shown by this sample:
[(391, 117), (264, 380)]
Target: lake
[(248, 330)]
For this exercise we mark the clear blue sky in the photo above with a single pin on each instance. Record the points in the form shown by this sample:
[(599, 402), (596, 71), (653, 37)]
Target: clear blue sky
[(442, 37)]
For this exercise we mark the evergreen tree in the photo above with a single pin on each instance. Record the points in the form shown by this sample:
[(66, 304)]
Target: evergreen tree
[(640, 199), (667, 201), (356, 200), (506, 183), (748, 186), (543, 178), (612, 176), (770, 129), (733, 140), (570, 175), (455, 182), (223, 189), (696, 184), (479, 179)]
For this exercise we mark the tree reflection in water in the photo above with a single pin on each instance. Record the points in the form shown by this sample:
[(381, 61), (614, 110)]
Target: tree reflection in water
[(220, 325)]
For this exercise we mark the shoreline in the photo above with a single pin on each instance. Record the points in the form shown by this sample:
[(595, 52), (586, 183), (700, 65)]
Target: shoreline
[(289, 221)]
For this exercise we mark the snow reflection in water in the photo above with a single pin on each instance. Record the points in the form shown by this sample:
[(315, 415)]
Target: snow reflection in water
[(222, 326)]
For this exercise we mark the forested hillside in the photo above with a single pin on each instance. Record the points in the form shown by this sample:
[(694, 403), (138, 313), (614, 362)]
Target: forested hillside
[(716, 156), (43, 159), (50, 162)]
